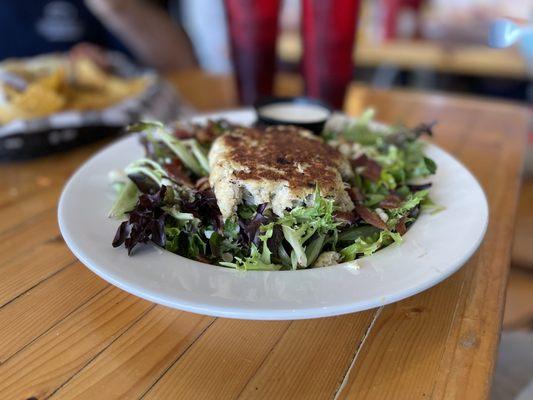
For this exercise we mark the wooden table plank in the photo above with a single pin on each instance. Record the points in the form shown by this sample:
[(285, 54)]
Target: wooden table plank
[(215, 92), (20, 213), (34, 186), (48, 363), (26, 270), (20, 179), (221, 362), (27, 237), (523, 236), (518, 313), (311, 359), (135, 361), (472, 364), (405, 347), (31, 248), (32, 314)]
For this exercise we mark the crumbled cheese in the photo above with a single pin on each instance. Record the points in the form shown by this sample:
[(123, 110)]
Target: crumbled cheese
[(327, 258), (300, 168), (382, 215)]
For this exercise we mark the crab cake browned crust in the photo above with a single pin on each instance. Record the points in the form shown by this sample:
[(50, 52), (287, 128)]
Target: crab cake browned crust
[(280, 166)]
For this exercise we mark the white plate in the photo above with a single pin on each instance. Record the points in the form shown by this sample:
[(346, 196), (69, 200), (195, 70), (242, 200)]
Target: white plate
[(435, 247)]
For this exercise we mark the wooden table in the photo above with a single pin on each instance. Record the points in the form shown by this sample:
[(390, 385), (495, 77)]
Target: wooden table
[(523, 236), (475, 60), (66, 334)]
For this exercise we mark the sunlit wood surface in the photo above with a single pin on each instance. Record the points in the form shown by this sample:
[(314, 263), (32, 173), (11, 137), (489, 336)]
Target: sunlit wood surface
[(66, 334), (475, 60)]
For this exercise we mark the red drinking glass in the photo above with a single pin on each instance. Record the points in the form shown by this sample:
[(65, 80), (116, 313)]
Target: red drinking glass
[(253, 29), (328, 31)]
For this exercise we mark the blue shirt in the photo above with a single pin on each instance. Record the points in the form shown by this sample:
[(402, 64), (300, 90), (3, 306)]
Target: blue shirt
[(32, 27)]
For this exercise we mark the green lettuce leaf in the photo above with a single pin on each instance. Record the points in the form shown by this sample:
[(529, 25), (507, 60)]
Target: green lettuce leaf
[(125, 201), (361, 132), (369, 245), (302, 222), (189, 155), (296, 238), (429, 206), (189, 244), (253, 262), (314, 248)]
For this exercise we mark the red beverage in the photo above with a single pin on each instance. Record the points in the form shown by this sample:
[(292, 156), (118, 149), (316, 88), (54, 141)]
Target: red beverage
[(328, 31), (253, 29)]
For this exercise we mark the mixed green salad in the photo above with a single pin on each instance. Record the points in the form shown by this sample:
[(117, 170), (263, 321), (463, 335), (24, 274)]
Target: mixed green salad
[(165, 198)]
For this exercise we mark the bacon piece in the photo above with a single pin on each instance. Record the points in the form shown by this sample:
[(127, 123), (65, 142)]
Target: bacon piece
[(370, 168), (175, 171), (355, 194), (181, 133), (391, 201), (370, 216), (346, 217), (400, 226)]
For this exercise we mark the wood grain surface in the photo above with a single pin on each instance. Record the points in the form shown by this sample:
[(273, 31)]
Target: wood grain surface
[(454, 58), (66, 334), (523, 236)]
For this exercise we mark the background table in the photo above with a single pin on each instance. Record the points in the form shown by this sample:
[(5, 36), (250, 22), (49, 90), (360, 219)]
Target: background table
[(474, 60), (65, 333)]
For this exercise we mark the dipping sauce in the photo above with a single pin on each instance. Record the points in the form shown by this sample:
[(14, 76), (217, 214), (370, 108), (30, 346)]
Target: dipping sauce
[(307, 113), (294, 112)]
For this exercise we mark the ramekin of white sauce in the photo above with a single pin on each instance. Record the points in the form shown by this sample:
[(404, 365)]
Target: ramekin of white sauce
[(300, 111)]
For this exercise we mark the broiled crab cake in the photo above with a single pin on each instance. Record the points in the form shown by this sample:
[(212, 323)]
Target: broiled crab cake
[(280, 166)]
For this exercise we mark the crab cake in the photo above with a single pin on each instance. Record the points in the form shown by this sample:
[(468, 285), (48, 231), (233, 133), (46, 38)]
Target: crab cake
[(280, 166)]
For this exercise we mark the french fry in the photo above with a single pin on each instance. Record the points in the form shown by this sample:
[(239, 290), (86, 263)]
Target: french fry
[(37, 101), (61, 84)]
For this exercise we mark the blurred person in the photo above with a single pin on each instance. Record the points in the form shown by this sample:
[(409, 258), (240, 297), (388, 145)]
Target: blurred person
[(206, 25), (141, 28)]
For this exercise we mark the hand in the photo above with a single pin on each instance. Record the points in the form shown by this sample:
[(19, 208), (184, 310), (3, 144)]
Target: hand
[(91, 51)]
